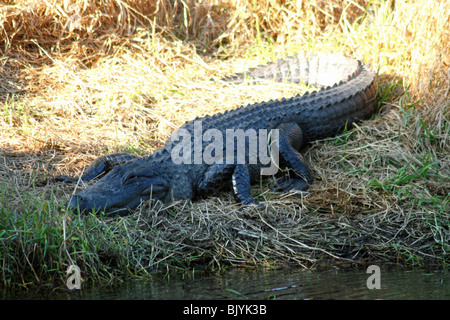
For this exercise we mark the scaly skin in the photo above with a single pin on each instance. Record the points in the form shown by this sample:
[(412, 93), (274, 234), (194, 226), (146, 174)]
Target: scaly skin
[(348, 95)]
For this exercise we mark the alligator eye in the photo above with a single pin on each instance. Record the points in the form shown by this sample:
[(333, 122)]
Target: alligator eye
[(131, 178)]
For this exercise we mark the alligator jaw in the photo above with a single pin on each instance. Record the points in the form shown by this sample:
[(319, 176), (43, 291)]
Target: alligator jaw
[(79, 202)]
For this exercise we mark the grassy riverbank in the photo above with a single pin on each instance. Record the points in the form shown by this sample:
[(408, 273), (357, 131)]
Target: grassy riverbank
[(79, 79)]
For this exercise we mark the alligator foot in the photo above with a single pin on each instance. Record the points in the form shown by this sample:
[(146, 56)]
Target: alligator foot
[(287, 184), (254, 205)]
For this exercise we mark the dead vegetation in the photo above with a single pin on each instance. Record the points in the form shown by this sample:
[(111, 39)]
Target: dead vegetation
[(79, 79)]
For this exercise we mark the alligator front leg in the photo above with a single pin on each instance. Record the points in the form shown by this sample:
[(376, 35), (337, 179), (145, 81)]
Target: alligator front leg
[(100, 166), (219, 174), (241, 185), (291, 140)]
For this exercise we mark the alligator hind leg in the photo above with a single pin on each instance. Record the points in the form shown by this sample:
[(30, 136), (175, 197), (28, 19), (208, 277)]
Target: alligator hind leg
[(100, 166), (291, 140)]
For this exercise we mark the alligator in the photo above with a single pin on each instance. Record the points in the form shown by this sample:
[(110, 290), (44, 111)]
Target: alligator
[(347, 95)]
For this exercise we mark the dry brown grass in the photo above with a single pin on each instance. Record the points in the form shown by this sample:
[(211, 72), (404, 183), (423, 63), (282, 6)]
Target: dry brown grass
[(83, 78)]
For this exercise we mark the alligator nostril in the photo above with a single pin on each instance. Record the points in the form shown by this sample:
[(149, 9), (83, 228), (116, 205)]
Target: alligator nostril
[(74, 202)]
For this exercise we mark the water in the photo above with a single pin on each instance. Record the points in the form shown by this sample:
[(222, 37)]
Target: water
[(282, 284)]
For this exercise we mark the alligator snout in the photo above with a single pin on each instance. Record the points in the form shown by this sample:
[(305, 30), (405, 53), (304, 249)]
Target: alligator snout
[(73, 203), (81, 203), (85, 204)]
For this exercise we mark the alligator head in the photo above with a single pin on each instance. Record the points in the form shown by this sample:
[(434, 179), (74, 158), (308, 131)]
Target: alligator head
[(127, 185)]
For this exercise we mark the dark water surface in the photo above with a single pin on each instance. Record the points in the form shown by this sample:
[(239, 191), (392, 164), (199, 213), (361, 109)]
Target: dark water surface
[(282, 284)]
